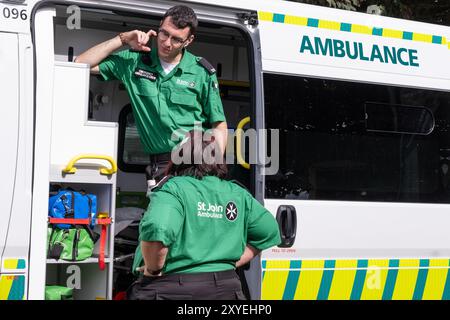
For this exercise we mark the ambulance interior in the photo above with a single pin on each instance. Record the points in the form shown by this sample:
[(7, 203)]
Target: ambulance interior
[(226, 48)]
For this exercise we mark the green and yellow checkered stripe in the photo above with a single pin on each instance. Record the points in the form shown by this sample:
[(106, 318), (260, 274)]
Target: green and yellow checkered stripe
[(12, 287), (394, 279), (353, 28)]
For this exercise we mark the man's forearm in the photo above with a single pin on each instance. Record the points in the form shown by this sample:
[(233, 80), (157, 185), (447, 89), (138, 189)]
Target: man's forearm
[(154, 254), (98, 53), (221, 134)]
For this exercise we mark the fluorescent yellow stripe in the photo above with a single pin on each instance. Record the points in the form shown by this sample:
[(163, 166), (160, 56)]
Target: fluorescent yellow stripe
[(406, 280), (434, 287), (265, 16), (345, 264), (313, 264), (357, 28), (392, 33), (446, 42), (308, 285), (273, 285), (341, 287), (10, 264), (5, 286), (423, 37), (438, 263), (378, 263), (299, 21), (376, 275), (278, 264), (409, 263), (274, 282), (332, 25), (309, 281)]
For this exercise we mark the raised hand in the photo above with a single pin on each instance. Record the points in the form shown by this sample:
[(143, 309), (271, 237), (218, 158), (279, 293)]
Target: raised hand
[(138, 40)]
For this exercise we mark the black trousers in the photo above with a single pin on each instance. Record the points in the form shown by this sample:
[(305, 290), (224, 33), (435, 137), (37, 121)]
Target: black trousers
[(223, 285)]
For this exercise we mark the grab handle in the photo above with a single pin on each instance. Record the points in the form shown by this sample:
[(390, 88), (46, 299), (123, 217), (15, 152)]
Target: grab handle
[(103, 170), (287, 222), (239, 130)]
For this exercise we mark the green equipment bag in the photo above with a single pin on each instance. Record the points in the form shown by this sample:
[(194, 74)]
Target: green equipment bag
[(58, 293), (74, 244)]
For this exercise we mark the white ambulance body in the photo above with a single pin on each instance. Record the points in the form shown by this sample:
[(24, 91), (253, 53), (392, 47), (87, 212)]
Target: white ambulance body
[(358, 179)]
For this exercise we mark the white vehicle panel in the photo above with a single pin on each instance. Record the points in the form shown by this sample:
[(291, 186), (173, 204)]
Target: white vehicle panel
[(338, 229), (307, 42), (14, 17), (9, 130)]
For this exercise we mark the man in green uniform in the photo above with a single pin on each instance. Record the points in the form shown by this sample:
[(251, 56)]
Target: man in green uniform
[(170, 89), (197, 230)]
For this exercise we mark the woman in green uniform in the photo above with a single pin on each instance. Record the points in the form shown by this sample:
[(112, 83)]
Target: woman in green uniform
[(198, 229)]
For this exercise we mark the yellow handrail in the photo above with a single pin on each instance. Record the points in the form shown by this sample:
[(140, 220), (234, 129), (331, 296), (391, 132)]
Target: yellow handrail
[(239, 131), (103, 170)]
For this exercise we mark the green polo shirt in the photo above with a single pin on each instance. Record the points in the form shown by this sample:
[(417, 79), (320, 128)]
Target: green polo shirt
[(165, 107), (206, 224)]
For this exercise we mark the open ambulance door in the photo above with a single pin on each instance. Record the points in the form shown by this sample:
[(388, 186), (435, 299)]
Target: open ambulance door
[(227, 37), (362, 189), (15, 165)]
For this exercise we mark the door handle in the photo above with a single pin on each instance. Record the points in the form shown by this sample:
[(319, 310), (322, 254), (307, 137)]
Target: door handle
[(287, 223)]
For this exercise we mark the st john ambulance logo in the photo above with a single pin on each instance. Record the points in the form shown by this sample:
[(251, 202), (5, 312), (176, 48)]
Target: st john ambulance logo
[(231, 211)]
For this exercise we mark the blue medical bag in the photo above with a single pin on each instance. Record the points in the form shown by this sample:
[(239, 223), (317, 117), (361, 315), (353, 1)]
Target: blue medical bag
[(69, 204)]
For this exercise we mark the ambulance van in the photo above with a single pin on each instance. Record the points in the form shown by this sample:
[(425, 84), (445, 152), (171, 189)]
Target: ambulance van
[(354, 159)]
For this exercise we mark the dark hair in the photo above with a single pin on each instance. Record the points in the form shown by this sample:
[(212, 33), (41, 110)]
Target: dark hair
[(182, 17), (208, 163)]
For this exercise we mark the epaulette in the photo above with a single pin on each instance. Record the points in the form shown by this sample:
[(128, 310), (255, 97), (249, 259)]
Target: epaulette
[(208, 66), (161, 182)]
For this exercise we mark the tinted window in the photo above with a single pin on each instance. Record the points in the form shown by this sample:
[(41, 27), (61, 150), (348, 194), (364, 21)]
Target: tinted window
[(354, 141), (398, 119), (132, 157)]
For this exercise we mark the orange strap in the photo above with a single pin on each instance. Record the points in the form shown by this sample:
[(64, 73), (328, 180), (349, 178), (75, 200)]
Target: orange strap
[(68, 221), (104, 222), (101, 258)]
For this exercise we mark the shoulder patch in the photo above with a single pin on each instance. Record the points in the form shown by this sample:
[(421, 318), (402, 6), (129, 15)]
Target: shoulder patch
[(208, 66)]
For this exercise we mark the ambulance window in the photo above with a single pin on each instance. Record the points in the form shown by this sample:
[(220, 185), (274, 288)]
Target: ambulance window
[(357, 141), (384, 117), (132, 157)]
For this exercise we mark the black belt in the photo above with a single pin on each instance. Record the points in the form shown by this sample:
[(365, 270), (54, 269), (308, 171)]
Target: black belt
[(160, 157), (195, 277)]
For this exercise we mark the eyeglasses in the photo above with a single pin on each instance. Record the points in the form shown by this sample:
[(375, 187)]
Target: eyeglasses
[(175, 41)]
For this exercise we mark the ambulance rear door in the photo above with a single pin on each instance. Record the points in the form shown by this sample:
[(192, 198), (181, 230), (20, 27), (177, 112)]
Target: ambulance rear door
[(358, 178), (9, 114), (15, 193)]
